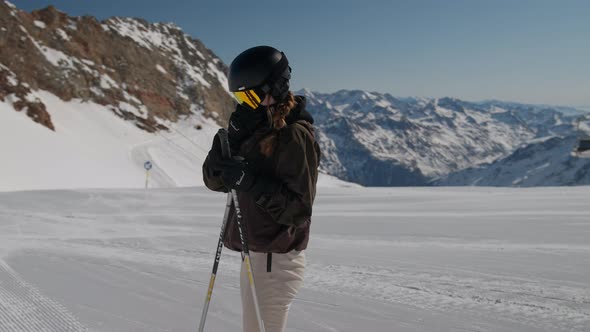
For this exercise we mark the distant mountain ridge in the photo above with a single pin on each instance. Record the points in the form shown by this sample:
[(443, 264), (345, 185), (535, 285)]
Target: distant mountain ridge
[(379, 140), (546, 162), (566, 110)]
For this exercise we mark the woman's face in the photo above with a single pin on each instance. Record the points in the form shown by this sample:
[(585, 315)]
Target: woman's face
[(269, 100)]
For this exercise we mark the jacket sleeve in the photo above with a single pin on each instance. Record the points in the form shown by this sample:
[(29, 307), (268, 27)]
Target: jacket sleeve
[(212, 179), (297, 169)]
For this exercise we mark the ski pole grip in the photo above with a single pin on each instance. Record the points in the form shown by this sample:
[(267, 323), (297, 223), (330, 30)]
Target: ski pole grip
[(224, 140)]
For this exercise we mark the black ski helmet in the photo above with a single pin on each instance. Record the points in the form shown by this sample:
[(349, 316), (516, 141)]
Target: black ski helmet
[(263, 68)]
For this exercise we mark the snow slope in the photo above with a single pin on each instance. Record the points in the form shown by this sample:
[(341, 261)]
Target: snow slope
[(388, 259), (93, 148), (547, 162)]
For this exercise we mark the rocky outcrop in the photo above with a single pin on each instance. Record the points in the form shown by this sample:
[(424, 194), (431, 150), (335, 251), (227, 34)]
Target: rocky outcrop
[(148, 73), (18, 93)]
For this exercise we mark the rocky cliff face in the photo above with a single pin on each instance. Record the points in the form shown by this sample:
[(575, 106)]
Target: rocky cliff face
[(146, 73)]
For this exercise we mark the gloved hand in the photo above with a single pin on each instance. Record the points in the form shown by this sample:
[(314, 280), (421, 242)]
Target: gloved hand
[(215, 156), (235, 174)]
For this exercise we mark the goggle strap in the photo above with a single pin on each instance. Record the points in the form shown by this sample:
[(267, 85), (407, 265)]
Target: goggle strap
[(251, 98)]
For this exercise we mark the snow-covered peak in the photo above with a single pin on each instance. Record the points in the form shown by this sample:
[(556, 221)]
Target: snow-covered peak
[(376, 139)]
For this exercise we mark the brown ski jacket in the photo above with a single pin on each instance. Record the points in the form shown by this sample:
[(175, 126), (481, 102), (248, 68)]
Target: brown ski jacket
[(276, 222)]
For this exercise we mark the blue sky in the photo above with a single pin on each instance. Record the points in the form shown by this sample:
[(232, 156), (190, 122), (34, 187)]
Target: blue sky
[(532, 51)]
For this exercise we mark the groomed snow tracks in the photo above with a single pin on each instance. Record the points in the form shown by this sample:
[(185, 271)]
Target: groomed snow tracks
[(24, 309)]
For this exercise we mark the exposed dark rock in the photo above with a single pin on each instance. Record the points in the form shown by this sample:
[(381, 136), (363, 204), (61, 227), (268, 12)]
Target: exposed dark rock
[(110, 62)]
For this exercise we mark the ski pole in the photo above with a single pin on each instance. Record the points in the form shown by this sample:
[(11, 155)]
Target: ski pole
[(223, 137), (215, 264), (226, 152)]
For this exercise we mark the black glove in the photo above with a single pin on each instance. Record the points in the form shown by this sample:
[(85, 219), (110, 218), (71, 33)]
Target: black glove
[(243, 122), (236, 174), (215, 157)]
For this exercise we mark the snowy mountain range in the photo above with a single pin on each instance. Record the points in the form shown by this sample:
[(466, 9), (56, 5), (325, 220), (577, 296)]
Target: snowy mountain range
[(377, 139), (84, 103)]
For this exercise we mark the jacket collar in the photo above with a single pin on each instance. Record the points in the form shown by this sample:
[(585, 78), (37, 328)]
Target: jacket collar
[(299, 112)]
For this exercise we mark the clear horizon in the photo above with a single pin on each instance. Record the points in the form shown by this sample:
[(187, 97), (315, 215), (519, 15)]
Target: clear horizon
[(533, 52)]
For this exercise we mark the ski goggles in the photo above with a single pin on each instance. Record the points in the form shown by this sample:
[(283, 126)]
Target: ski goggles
[(251, 97)]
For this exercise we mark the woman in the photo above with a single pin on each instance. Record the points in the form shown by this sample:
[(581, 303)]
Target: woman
[(275, 180)]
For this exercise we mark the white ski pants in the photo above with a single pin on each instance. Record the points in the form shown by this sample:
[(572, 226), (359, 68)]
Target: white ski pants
[(275, 289)]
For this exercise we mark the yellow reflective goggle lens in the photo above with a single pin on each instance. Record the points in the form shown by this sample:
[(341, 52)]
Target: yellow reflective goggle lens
[(248, 97)]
